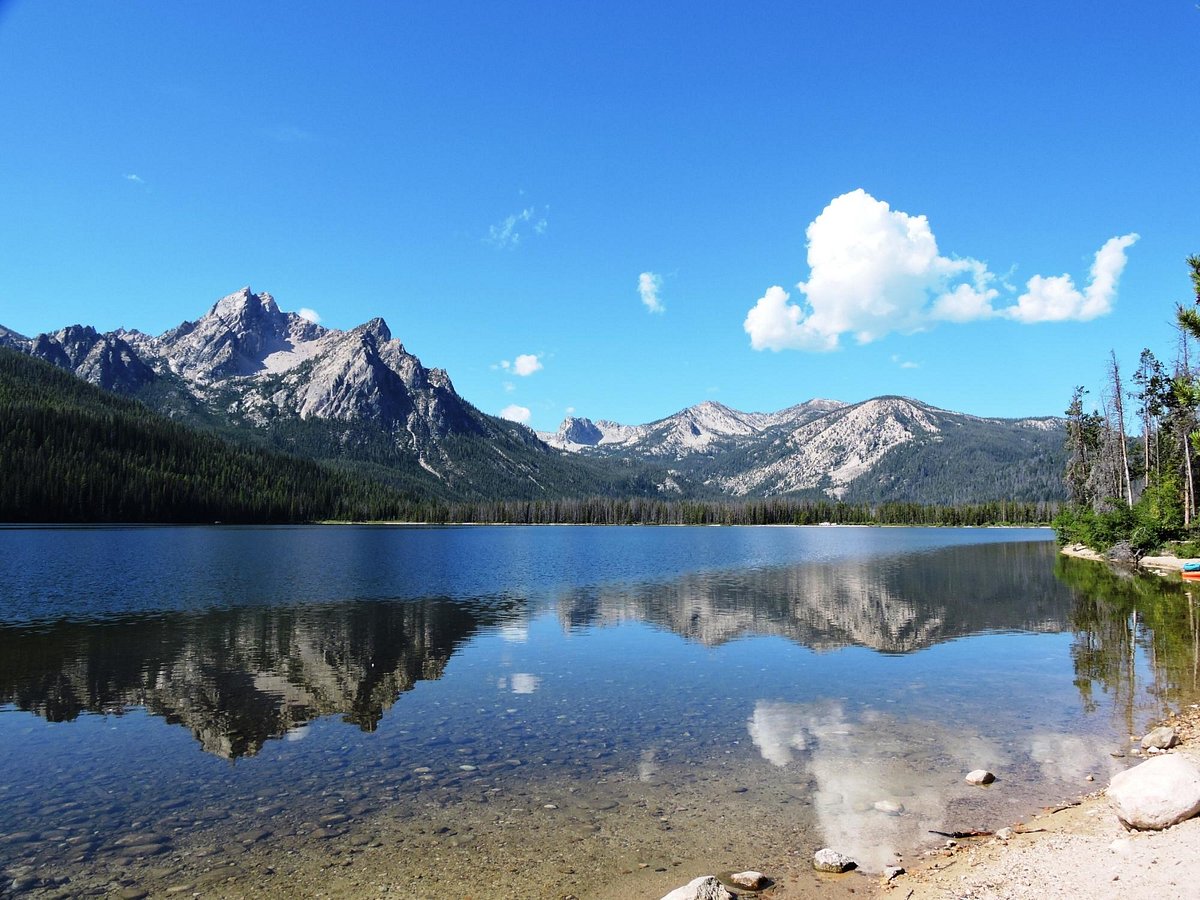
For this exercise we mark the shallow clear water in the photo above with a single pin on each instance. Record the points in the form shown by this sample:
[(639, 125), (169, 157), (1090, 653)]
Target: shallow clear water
[(227, 710)]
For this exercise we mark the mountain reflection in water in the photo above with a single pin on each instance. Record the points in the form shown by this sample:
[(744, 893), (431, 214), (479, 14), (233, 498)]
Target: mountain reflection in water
[(237, 677), (891, 604)]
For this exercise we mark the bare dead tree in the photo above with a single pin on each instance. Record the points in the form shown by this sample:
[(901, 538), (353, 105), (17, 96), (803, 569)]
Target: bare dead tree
[(1125, 485)]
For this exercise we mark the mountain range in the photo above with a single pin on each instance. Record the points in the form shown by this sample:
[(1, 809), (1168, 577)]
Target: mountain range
[(257, 374)]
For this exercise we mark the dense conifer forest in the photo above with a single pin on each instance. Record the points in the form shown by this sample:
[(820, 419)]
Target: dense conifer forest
[(71, 452)]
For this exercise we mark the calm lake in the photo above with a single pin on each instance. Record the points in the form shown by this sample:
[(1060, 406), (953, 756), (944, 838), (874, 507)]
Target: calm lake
[(547, 711)]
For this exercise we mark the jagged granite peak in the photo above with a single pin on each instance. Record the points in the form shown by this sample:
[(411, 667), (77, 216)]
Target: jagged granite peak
[(10, 338), (352, 379), (581, 431), (242, 334), (102, 359), (376, 328), (829, 448), (695, 429)]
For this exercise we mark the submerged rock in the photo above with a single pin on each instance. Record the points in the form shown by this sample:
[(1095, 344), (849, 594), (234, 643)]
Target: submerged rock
[(980, 776), (706, 887), (828, 860), (889, 807), (1159, 793)]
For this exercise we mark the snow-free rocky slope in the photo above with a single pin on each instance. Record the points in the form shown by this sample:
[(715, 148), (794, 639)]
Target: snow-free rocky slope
[(361, 398), (883, 449)]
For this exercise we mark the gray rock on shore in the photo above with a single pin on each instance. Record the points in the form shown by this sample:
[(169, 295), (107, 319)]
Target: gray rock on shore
[(828, 860), (1161, 738), (1157, 794), (980, 776)]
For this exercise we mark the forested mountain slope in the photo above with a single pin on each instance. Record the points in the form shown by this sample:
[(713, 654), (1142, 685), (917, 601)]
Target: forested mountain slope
[(72, 452)]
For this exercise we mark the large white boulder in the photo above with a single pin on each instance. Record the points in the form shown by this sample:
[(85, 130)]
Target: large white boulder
[(1159, 793)]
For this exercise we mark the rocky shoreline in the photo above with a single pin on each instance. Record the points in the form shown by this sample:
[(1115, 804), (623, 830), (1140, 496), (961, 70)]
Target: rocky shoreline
[(1090, 847), (1078, 849)]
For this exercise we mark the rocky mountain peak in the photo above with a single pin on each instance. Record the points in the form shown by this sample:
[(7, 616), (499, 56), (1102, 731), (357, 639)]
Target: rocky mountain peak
[(10, 338), (578, 430), (103, 359), (234, 338), (245, 305), (376, 328)]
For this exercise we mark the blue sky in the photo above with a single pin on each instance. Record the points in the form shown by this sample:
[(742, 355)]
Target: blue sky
[(514, 187)]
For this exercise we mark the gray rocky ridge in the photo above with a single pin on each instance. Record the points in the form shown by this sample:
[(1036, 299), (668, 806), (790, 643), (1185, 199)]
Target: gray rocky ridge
[(10, 338), (818, 446), (252, 363)]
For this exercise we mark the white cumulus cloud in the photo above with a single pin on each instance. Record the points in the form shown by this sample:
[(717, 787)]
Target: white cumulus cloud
[(1056, 299), (875, 270), (311, 314), (526, 364), (515, 413), (649, 285)]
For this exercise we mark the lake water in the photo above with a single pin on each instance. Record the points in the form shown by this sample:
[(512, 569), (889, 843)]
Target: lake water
[(548, 711)]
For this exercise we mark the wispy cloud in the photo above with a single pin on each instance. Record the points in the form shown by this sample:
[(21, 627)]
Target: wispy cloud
[(905, 363), (515, 413), (509, 231), (649, 284), (136, 179), (875, 270)]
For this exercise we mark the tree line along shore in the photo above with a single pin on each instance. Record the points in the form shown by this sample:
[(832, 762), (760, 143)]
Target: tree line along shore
[(1137, 495)]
